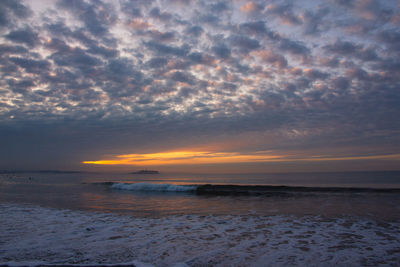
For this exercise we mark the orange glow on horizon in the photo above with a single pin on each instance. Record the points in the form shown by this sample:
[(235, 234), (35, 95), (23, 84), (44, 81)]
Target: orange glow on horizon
[(206, 157), (183, 157)]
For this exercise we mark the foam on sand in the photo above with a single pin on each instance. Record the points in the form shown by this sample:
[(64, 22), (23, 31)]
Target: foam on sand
[(44, 264), (32, 234)]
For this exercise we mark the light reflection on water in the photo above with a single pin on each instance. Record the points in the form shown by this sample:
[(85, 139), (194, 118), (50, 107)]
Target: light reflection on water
[(77, 191)]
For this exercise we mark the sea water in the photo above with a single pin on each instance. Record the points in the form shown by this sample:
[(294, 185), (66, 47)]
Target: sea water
[(319, 219), (175, 194)]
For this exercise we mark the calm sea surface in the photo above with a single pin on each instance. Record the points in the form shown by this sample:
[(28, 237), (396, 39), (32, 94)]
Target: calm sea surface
[(95, 192)]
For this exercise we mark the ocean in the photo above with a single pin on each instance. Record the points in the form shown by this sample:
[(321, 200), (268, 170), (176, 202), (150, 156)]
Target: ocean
[(175, 219)]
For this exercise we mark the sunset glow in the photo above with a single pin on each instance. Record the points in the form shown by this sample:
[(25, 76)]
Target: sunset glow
[(205, 157), (183, 157)]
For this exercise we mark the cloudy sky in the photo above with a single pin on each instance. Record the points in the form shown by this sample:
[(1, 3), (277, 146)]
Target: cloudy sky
[(200, 85)]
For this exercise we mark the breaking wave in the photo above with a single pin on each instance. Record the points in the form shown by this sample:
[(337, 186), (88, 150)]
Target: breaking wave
[(265, 190), (154, 187)]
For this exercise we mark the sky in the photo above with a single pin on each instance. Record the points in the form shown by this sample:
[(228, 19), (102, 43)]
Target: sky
[(202, 86)]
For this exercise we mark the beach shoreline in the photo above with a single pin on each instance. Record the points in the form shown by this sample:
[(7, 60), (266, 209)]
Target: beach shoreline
[(38, 235)]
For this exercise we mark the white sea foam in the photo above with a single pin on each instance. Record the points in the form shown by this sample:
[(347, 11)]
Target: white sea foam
[(31, 234), (153, 187)]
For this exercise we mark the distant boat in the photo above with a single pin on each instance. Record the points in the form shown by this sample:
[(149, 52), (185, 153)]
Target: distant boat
[(145, 172)]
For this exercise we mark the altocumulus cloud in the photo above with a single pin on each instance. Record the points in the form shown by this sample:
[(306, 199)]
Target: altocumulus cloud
[(84, 78)]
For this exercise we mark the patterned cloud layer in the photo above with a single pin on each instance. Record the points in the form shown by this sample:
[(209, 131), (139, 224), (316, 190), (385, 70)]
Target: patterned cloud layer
[(281, 75)]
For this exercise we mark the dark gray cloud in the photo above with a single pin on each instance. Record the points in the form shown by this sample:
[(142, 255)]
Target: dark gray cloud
[(12, 49), (222, 51), (208, 19), (104, 51), (391, 39), (349, 49), (24, 36), (341, 83), (12, 10), (194, 30), (243, 42), (120, 69), (346, 3), (97, 16), (285, 13), (76, 58), (316, 74), (133, 7), (294, 47), (162, 49), (31, 65), (313, 21), (342, 47), (180, 76), (157, 62), (219, 7), (163, 16), (258, 28), (20, 84), (374, 10), (58, 45), (161, 36)]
